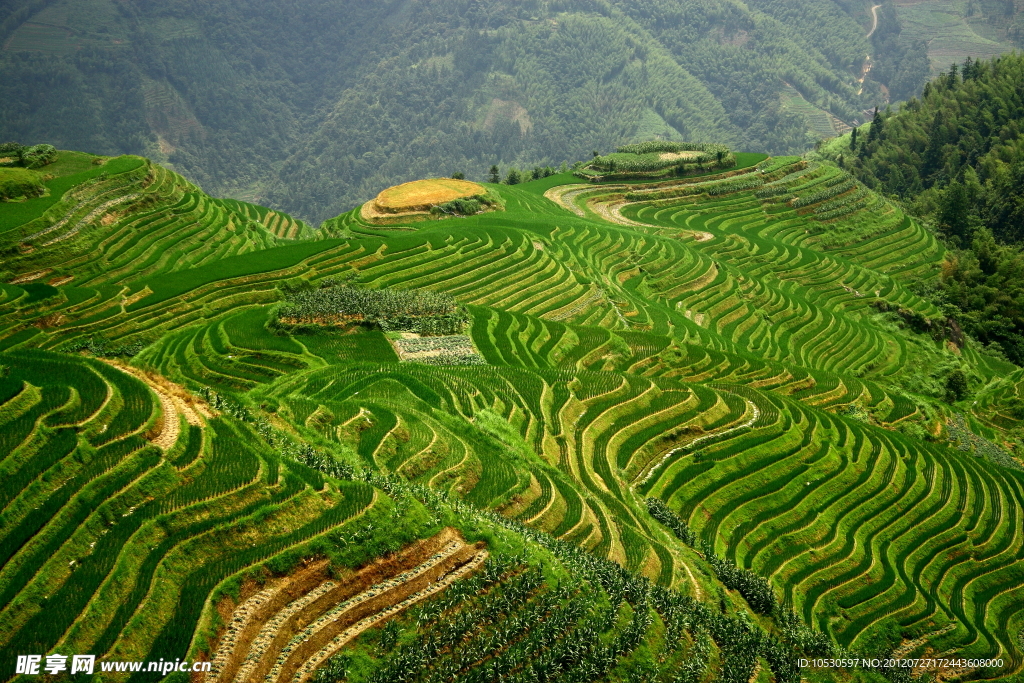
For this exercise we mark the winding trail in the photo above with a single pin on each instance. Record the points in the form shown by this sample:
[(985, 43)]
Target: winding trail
[(565, 196), (874, 16), (172, 402)]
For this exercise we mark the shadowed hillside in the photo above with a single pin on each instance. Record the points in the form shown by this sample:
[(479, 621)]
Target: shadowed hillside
[(315, 106)]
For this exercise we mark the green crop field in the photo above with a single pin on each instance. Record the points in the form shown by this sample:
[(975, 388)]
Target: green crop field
[(703, 434)]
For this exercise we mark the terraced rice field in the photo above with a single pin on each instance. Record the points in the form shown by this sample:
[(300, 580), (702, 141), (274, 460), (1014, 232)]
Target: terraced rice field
[(114, 227), (950, 35), (819, 122), (740, 346), (112, 529), (45, 38)]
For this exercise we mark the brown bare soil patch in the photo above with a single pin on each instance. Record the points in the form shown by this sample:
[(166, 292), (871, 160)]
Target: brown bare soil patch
[(58, 281), (291, 626), (29, 277), (137, 296), (50, 321), (432, 586), (420, 195)]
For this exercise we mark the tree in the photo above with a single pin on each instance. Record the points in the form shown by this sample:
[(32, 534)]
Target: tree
[(458, 175), (956, 386), (875, 132), (513, 177), (954, 77), (495, 176), (954, 210), (38, 155), (896, 182), (853, 139)]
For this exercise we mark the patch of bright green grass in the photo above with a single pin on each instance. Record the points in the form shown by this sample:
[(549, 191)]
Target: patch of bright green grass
[(19, 181), (69, 163), (174, 284), (542, 185), (15, 214)]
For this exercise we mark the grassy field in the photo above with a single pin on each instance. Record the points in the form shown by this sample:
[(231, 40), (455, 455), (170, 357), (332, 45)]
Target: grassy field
[(748, 347)]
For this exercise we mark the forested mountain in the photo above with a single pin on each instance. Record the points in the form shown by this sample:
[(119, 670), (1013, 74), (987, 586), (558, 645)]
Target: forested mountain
[(956, 157), (318, 104)]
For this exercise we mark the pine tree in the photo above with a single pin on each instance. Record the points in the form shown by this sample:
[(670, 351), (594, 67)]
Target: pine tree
[(495, 175), (853, 139), (875, 132)]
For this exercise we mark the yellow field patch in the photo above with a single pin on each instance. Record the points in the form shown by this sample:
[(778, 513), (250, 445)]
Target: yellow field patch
[(420, 195), (679, 155)]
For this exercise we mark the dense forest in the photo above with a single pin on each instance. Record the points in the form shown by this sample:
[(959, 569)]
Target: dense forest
[(956, 157), (316, 105)]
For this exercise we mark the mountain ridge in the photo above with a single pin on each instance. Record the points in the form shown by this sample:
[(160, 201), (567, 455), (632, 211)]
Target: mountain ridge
[(246, 100)]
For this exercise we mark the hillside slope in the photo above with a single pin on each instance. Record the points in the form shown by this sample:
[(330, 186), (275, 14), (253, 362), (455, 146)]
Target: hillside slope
[(319, 105), (956, 157), (723, 384)]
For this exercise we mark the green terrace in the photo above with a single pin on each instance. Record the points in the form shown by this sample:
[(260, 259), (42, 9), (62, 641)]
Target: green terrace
[(746, 346)]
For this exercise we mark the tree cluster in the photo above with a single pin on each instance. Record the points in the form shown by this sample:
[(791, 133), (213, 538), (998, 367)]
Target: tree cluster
[(756, 589), (419, 310), (34, 156)]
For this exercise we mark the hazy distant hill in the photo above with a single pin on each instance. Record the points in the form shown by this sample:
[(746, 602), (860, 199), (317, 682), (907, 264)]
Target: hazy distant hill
[(314, 105)]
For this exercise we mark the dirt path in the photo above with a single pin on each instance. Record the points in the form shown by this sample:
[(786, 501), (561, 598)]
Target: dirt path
[(565, 196), (751, 409), (174, 401), (613, 213), (698, 592), (558, 196), (874, 24)]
